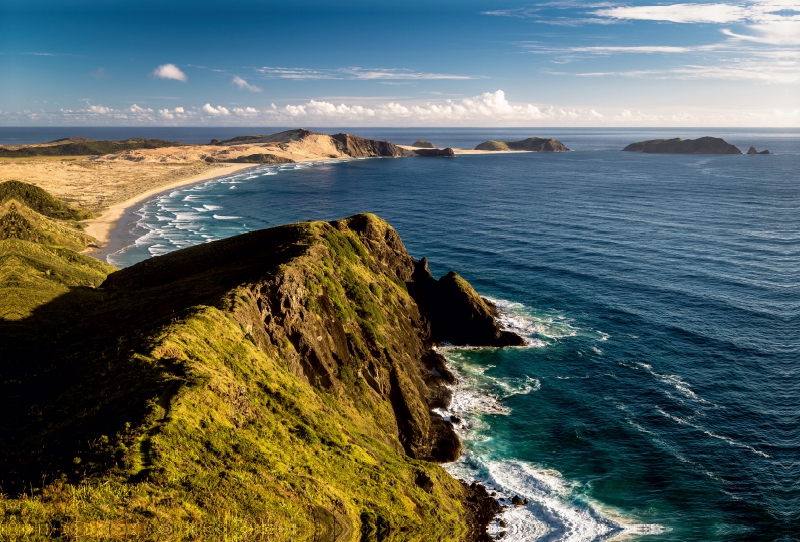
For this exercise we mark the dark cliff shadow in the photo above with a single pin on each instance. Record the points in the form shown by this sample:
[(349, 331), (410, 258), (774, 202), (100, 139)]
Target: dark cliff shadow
[(76, 373)]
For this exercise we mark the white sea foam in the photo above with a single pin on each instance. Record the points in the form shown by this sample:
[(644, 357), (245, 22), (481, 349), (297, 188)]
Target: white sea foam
[(699, 427), (536, 328), (223, 217), (556, 511)]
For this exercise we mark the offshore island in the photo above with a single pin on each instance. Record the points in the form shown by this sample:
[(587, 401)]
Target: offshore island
[(280, 383)]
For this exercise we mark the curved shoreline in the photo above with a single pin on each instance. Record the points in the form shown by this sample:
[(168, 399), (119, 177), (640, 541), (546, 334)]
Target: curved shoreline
[(101, 227)]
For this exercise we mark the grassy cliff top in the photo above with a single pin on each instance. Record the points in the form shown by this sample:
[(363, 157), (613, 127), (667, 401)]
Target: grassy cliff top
[(84, 147), (277, 378), (40, 200)]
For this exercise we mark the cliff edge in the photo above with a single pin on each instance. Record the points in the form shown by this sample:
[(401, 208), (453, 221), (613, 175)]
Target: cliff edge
[(286, 376)]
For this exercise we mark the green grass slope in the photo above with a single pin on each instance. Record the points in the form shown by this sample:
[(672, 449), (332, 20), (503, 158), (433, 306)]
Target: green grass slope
[(270, 384), (85, 147)]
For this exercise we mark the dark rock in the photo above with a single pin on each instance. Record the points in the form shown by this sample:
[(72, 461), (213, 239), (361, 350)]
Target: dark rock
[(533, 144), (259, 159), (214, 142), (501, 534), (457, 313), (424, 481), (502, 523), (525, 500), (765, 151), (516, 500), (422, 144), (456, 419), (702, 145), (358, 147), (445, 153), (753, 150), (480, 509)]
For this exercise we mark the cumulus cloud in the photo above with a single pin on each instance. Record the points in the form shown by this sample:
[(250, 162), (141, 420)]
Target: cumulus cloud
[(166, 113), (169, 71), (241, 83), (219, 110), (137, 109), (245, 111), (179, 110), (100, 110)]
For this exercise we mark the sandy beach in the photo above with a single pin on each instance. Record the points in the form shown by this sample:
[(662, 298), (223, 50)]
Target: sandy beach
[(100, 228)]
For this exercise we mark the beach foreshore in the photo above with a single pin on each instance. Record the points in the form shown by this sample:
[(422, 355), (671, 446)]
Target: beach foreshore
[(101, 227)]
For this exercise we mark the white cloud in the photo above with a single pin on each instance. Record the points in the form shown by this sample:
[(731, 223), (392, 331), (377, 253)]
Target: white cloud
[(99, 110), (356, 74), (679, 13), (179, 110), (169, 71), (219, 110), (245, 111), (166, 113), (241, 83)]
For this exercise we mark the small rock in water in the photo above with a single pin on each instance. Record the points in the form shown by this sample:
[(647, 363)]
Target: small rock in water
[(455, 419), (516, 500)]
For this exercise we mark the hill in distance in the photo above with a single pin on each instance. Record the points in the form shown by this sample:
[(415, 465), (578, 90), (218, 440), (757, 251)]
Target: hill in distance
[(533, 144), (701, 145)]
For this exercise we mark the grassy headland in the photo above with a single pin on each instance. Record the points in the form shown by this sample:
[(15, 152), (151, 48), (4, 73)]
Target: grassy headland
[(278, 382)]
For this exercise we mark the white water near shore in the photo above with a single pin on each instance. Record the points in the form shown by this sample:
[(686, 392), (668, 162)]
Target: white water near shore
[(556, 510)]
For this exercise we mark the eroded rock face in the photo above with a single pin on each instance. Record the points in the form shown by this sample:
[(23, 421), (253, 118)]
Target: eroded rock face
[(456, 311), (753, 150), (358, 147)]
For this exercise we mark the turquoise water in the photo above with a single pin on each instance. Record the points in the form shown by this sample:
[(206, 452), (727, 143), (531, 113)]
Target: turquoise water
[(660, 294)]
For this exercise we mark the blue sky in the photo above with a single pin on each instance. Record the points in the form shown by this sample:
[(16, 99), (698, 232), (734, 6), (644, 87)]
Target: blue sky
[(412, 63)]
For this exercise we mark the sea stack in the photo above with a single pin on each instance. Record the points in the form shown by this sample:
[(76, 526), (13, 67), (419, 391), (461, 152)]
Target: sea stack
[(753, 150)]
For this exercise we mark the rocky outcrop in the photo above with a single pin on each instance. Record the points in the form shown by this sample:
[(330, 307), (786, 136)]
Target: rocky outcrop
[(422, 144), (702, 145), (358, 147), (292, 365), (444, 153), (457, 313), (532, 144), (752, 150), (259, 158)]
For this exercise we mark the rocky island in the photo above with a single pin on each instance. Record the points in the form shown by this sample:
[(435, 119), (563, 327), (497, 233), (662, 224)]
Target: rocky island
[(531, 144), (701, 145), (285, 378), (422, 144), (752, 150)]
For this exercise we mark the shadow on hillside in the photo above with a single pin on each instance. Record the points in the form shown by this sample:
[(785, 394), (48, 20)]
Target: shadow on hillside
[(77, 372)]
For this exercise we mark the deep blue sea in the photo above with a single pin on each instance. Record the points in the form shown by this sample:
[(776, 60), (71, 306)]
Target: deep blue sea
[(659, 399)]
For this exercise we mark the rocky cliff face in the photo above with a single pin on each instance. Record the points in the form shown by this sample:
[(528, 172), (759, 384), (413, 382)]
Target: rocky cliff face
[(702, 145), (358, 147), (286, 374)]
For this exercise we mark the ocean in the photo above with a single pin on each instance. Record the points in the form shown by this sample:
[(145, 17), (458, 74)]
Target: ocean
[(660, 294)]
